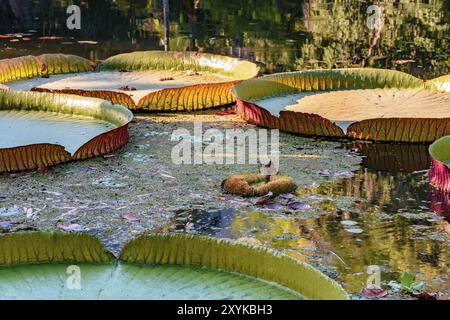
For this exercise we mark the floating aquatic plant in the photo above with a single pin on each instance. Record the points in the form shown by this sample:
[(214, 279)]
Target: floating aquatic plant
[(251, 185), (159, 81), (38, 247), (440, 169), (41, 129), (159, 266), (42, 66), (440, 84), (408, 283), (365, 104)]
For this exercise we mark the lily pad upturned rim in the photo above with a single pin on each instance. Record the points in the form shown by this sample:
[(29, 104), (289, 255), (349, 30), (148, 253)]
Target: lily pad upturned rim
[(42, 66), (183, 98), (241, 184), (379, 130), (172, 249), (32, 156), (235, 68), (440, 170), (440, 150)]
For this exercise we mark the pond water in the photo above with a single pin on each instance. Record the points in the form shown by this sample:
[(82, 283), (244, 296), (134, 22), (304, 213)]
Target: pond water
[(386, 214), (281, 35)]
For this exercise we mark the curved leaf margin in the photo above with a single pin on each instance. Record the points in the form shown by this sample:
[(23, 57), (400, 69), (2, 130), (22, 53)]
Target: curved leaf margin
[(43, 155), (41, 66), (41, 247), (410, 130), (258, 262), (440, 170)]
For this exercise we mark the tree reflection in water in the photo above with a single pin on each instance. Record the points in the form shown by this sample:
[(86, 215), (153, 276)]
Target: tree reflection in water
[(281, 35)]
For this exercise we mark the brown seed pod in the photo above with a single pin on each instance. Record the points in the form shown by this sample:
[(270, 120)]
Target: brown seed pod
[(253, 185)]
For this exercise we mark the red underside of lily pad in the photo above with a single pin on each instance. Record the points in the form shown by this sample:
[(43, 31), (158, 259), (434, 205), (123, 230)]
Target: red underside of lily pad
[(105, 143), (440, 176), (411, 130), (289, 121), (440, 203), (358, 103), (44, 155)]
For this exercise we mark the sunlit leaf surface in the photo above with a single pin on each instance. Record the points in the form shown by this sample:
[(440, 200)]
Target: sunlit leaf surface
[(21, 128), (125, 281), (157, 266), (367, 104)]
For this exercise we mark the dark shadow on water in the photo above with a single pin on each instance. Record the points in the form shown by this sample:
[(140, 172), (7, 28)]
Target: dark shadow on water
[(405, 158), (214, 223)]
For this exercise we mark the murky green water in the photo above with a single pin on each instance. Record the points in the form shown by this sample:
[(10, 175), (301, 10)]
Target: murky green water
[(281, 35), (389, 219)]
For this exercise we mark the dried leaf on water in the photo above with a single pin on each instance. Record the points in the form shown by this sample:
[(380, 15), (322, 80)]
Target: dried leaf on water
[(131, 217), (264, 199), (426, 295), (374, 292)]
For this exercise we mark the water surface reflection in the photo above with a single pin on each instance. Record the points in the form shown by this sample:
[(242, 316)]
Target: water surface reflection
[(380, 218)]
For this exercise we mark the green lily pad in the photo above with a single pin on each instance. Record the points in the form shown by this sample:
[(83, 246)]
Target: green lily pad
[(151, 80), (158, 266), (440, 150), (41, 129), (360, 103), (34, 127), (127, 281)]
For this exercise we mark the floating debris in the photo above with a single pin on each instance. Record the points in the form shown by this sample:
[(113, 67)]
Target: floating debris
[(349, 222), (7, 212), (354, 230), (70, 227)]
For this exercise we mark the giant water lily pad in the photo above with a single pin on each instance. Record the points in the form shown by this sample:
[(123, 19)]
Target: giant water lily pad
[(161, 266), (366, 104), (42, 66), (122, 281), (154, 80), (41, 129), (440, 170)]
